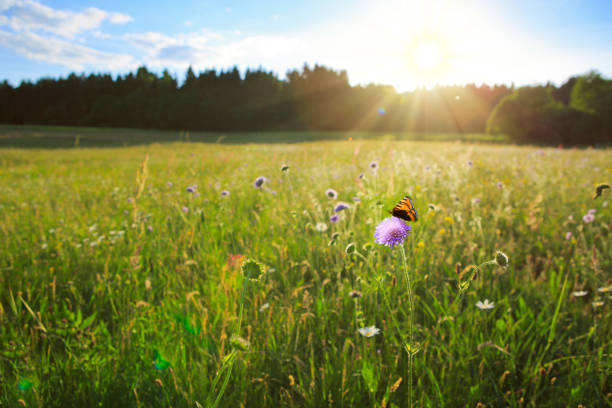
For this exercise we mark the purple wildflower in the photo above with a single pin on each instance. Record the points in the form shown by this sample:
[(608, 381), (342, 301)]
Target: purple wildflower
[(340, 207), (373, 165), (149, 228), (568, 236), (356, 199), (334, 218), (225, 193), (331, 193), (191, 189), (588, 217), (476, 200), (361, 176), (169, 184), (499, 184), (196, 195), (126, 212), (185, 209), (259, 181), (130, 199), (391, 231), (470, 163)]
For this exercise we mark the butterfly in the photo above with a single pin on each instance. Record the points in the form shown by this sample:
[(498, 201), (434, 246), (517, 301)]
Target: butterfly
[(405, 210)]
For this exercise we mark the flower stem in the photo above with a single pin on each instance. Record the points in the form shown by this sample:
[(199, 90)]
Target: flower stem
[(411, 346), (229, 362)]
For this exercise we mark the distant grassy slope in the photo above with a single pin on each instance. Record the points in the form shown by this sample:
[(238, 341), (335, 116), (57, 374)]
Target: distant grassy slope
[(64, 137)]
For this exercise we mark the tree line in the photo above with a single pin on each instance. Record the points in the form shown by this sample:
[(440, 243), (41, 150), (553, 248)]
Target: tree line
[(310, 98), (577, 113)]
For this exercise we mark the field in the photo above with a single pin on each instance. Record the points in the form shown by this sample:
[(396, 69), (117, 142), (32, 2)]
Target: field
[(118, 287)]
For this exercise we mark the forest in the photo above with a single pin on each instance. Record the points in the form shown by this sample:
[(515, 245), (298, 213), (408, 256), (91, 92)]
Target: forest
[(315, 99)]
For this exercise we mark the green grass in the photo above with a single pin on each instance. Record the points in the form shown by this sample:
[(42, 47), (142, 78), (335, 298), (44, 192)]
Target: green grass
[(66, 137), (96, 310)]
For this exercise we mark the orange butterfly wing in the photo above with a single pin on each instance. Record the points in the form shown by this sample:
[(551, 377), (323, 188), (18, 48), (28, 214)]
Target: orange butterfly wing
[(405, 210)]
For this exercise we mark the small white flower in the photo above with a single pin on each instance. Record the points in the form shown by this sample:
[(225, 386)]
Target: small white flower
[(369, 331), (321, 227), (486, 305), (580, 293), (264, 307), (598, 303), (604, 289)]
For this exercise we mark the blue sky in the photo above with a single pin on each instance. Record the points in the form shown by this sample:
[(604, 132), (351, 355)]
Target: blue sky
[(406, 43)]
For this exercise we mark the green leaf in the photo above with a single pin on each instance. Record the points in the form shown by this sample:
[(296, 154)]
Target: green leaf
[(160, 363), (88, 321), (367, 372), (24, 384), (501, 325)]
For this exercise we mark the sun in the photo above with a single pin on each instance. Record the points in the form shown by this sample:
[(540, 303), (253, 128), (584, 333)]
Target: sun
[(427, 55)]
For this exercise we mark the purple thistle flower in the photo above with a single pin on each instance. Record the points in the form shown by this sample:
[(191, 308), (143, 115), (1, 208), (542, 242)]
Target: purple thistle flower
[(568, 236), (361, 176), (470, 163), (499, 184), (191, 189), (331, 193), (149, 228), (185, 209), (391, 231), (225, 193), (259, 181), (334, 218), (340, 207)]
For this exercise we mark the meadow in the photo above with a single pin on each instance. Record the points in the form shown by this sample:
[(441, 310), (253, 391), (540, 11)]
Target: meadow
[(122, 275)]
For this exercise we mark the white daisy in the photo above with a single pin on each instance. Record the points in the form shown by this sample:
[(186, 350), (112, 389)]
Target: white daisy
[(486, 305), (580, 293), (369, 331)]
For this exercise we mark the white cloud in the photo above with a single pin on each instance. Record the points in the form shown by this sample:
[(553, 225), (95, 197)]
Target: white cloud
[(30, 15), (119, 18), (7, 4), (58, 51), (212, 50)]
